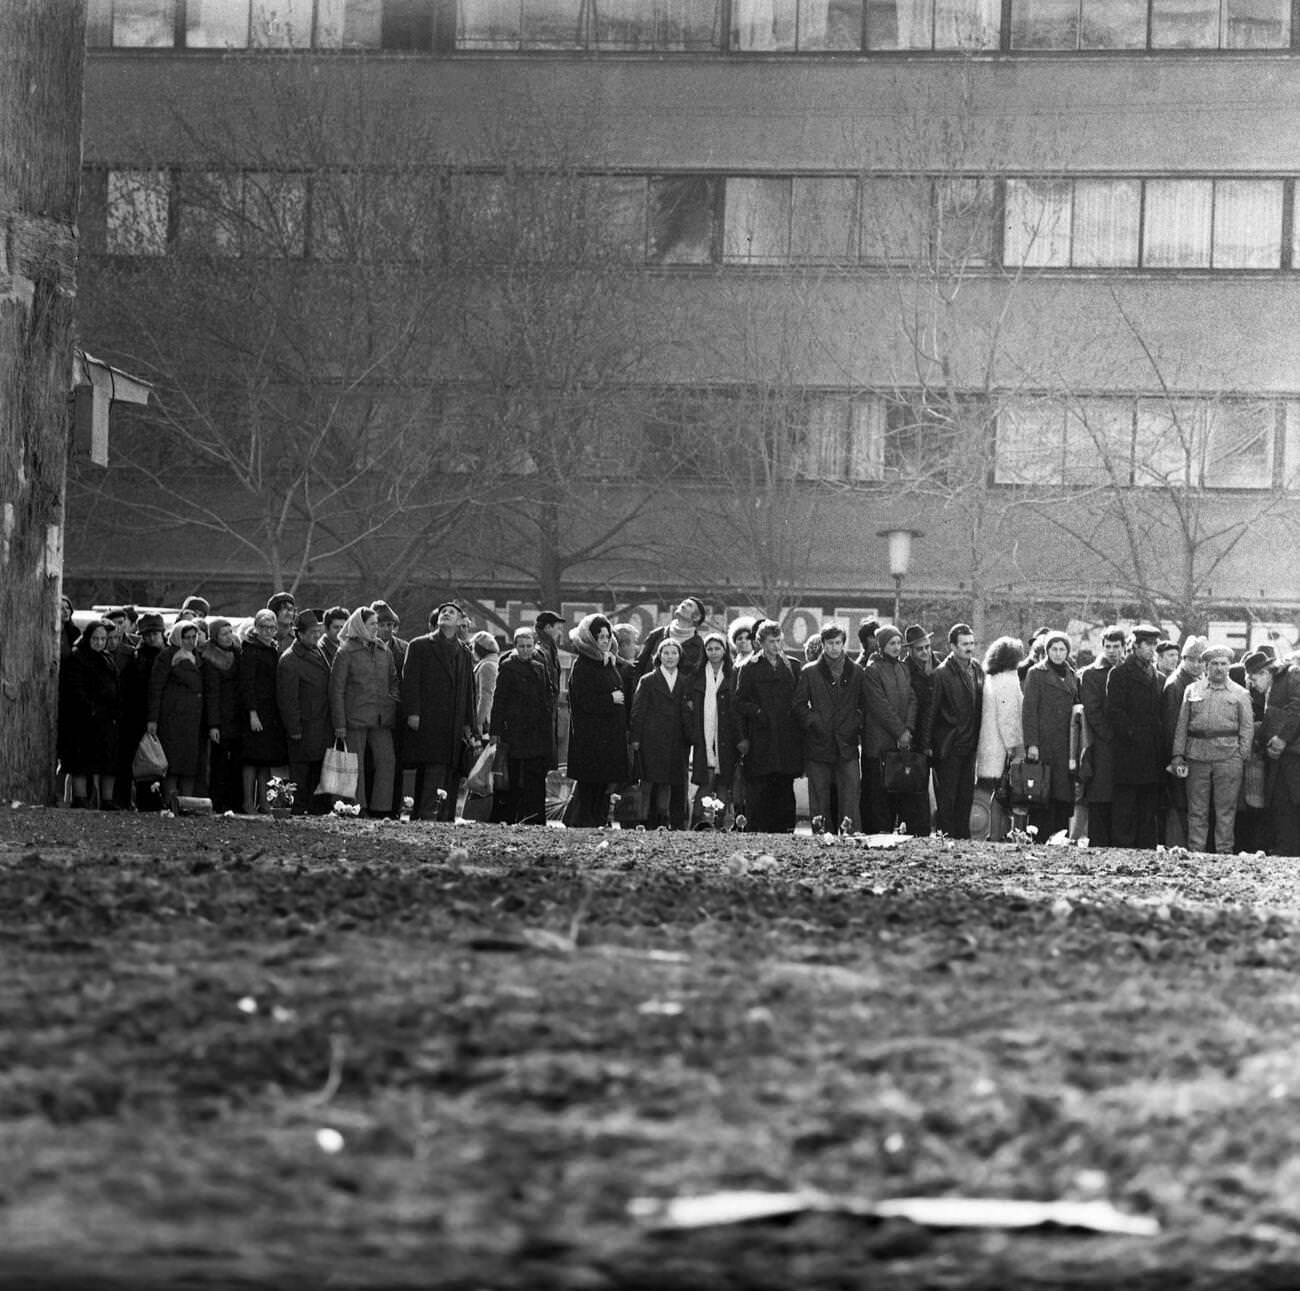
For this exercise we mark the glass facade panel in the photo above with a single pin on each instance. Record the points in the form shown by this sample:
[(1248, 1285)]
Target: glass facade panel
[(137, 212), (1239, 445), (900, 24), (349, 24), (147, 24), (821, 450), (275, 208), (866, 455), (488, 24), (830, 24), (1256, 24), (615, 207), (1247, 224), (1029, 445), (1184, 24), (553, 24), (967, 24), (963, 222), (763, 24), (1107, 216), (210, 213), (282, 24), (1099, 443), (657, 24), (824, 220), (1169, 444), (757, 229), (1178, 223), (681, 213), (895, 218), (1113, 24), (216, 24), (1045, 24), (1038, 222)]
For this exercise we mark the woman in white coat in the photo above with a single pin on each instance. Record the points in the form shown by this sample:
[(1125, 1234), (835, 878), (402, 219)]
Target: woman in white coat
[(1001, 734)]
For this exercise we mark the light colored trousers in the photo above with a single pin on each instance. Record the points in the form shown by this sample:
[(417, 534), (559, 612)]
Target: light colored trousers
[(1220, 781), (380, 741)]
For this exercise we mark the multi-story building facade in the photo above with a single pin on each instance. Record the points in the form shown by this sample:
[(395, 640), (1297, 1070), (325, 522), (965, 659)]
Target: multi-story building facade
[(1023, 276)]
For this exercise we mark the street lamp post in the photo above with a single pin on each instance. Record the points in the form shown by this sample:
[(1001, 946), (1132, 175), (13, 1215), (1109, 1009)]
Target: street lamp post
[(900, 558)]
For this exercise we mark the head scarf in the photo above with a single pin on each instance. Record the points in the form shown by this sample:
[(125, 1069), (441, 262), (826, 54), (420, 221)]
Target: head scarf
[(357, 629), (584, 639), (179, 651), (222, 658)]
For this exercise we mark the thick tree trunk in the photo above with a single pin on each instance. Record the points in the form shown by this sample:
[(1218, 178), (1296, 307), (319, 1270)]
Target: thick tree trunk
[(42, 52)]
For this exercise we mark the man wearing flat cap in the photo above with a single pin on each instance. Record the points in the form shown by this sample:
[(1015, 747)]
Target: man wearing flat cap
[(1132, 708), (1211, 744)]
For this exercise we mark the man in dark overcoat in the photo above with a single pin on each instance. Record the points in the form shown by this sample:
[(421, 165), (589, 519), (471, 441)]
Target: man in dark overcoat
[(438, 700), (1097, 771), (1279, 736), (1133, 709), (951, 732), (522, 721)]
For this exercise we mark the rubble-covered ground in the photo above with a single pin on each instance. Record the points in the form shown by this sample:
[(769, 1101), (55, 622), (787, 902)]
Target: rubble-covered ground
[(336, 1053)]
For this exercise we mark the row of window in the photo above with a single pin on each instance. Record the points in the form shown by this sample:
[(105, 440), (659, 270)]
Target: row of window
[(711, 26), (841, 220)]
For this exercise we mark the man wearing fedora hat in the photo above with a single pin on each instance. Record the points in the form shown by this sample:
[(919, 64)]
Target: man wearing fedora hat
[(1132, 709)]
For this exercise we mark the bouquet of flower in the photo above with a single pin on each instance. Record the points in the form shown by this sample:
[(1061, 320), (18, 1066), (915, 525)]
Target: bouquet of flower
[(279, 793)]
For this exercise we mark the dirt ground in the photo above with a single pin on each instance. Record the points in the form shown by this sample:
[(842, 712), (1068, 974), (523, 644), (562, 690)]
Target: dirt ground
[(515, 1034)]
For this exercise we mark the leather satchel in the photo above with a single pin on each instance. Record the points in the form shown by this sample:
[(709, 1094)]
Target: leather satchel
[(1031, 783), (903, 771)]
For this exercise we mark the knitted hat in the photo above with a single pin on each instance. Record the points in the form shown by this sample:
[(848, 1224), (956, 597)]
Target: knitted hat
[(885, 635)]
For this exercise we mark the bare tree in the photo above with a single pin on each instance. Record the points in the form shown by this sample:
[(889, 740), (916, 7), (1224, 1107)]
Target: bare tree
[(41, 57)]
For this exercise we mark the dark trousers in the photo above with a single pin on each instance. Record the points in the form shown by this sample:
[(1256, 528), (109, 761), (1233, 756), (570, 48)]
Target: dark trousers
[(954, 792), (883, 812), (666, 805), (428, 780), (527, 793), (772, 808), (1133, 815), (225, 775), (1100, 830), (1050, 818), (306, 775), (590, 804)]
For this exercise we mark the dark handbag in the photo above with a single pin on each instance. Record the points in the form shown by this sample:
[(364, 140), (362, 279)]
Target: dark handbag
[(903, 771), (1031, 783)]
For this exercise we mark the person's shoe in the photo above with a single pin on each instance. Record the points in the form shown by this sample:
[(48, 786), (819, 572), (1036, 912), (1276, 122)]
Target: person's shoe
[(81, 803), (110, 805)]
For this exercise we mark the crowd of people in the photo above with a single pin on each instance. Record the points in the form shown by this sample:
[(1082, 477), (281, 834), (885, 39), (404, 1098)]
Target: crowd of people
[(1150, 742)]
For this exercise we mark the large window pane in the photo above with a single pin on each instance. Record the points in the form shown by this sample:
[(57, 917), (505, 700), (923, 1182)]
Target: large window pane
[(275, 207), (552, 24), (821, 454), (757, 229), (136, 218), (1038, 222), (1247, 224), (144, 23), (830, 24), (919, 440), (211, 212), (681, 213), (616, 214), (1179, 217), (1099, 442), (99, 24), (657, 24), (1107, 214), (1184, 24), (966, 24), (1029, 445), (1045, 24), (763, 24), (895, 218), (488, 24), (1241, 439), (900, 24), (963, 222), (824, 220), (867, 424), (282, 24), (349, 24), (1170, 442), (1256, 24), (216, 24), (1113, 24)]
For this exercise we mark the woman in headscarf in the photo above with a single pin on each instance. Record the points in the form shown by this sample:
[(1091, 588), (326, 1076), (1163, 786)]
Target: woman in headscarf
[(219, 665), (176, 709), (89, 716), (364, 693), (713, 743), (661, 736), (1051, 692), (264, 743), (598, 716), (487, 660), (68, 633)]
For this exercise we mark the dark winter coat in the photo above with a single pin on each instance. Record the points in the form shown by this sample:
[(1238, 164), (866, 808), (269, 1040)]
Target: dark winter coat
[(831, 712), (523, 710), (923, 686), (661, 728), (951, 728), (133, 688), (363, 685), (1133, 691), (302, 683), (221, 692), (176, 704), (765, 709), (1045, 718), (597, 725), (90, 713), (726, 727), (258, 663), (438, 688), (1098, 764), (692, 659), (1282, 718), (891, 705)]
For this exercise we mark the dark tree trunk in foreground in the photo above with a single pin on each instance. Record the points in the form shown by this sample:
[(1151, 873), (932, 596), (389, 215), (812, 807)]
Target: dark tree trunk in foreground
[(42, 51)]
